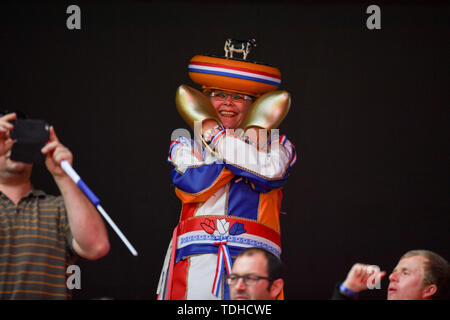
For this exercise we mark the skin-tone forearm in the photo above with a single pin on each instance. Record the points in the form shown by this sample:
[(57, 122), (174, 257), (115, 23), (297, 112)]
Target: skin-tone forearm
[(90, 238)]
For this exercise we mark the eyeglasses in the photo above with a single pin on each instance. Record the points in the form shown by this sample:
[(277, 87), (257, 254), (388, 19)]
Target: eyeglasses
[(249, 279), (222, 96)]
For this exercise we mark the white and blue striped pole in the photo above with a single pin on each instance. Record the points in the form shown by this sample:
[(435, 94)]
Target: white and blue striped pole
[(65, 165)]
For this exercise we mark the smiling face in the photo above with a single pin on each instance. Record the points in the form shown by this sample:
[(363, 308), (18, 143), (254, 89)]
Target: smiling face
[(232, 108), (406, 281)]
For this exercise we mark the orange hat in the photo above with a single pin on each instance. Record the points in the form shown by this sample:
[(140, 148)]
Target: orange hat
[(234, 75)]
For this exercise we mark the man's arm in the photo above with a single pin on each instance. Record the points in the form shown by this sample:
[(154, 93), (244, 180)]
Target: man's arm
[(266, 170), (90, 238), (358, 277)]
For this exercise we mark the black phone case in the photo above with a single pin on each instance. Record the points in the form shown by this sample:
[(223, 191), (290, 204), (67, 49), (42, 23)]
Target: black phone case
[(31, 136)]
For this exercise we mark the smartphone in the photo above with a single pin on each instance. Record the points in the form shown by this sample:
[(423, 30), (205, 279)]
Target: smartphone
[(31, 135)]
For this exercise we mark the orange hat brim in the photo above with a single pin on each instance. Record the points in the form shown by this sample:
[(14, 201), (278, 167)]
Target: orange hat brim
[(234, 75)]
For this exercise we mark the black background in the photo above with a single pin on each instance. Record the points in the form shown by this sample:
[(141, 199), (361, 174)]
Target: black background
[(369, 118)]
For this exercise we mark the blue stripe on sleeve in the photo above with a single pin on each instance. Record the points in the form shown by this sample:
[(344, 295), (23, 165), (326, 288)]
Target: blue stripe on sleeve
[(197, 179)]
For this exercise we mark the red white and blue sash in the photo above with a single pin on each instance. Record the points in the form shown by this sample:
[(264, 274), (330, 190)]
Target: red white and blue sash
[(225, 236)]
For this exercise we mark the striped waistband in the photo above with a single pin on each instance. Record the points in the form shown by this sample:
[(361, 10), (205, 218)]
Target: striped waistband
[(198, 235)]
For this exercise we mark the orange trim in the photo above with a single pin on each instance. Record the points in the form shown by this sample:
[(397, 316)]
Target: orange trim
[(33, 245), (33, 272), (269, 209), (224, 177), (250, 87), (238, 64), (34, 263), (35, 282), (32, 236), (36, 292), (32, 254), (28, 214), (31, 221), (28, 228)]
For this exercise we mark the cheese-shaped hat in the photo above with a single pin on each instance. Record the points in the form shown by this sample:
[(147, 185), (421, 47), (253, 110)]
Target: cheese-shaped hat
[(233, 75)]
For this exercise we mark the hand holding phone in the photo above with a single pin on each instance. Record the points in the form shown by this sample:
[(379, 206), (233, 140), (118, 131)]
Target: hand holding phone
[(30, 137), (5, 126)]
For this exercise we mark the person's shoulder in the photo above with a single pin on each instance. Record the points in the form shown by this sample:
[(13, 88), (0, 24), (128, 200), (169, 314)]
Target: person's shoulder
[(49, 198)]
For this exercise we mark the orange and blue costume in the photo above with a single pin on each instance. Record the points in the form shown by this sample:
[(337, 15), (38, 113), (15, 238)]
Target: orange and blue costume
[(231, 198), (228, 204)]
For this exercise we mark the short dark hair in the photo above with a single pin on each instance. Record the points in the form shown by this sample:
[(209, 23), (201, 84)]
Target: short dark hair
[(274, 264), (436, 271)]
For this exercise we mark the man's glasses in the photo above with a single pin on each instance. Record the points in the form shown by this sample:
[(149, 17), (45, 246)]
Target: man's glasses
[(249, 279), (222, 96)]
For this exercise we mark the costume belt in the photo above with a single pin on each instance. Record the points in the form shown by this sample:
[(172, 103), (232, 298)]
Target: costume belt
[(222, 235)]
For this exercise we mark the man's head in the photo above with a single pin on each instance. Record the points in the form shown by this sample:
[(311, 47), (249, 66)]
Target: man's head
[(256, 275), (231, 107), (419, 275)]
